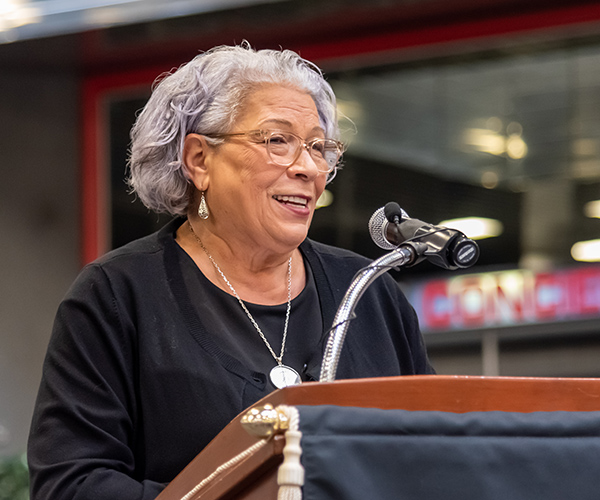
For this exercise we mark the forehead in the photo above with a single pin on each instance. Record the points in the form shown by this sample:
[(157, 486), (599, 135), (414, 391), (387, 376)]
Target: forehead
[(280, 105)]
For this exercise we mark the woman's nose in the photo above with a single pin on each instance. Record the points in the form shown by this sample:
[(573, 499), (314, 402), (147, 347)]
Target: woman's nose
[(305, 165)]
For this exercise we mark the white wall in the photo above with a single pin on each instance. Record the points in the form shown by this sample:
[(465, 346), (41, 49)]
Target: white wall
[(39, 220)]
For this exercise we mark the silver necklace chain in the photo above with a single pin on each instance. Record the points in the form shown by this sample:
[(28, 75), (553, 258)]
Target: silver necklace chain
[(279, 358)]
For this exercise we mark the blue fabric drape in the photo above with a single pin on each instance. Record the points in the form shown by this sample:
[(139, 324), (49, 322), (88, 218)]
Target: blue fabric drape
[(364, 453)]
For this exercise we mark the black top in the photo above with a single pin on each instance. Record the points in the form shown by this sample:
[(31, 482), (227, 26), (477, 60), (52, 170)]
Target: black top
[(233, 331), (137, 379)]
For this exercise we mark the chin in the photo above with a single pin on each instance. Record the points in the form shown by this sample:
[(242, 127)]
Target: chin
[(292, 239)]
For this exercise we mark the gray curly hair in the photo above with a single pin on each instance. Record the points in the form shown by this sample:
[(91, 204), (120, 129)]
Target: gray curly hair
[(204, 96)]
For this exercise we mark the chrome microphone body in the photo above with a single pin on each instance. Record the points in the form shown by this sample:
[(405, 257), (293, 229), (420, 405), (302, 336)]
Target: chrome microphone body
[(391, 227)]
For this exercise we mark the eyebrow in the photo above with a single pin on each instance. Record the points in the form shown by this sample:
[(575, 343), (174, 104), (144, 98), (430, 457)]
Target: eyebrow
[(286, 123)]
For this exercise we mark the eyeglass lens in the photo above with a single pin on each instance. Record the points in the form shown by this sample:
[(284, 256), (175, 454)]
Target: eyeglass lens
[(284, 149)]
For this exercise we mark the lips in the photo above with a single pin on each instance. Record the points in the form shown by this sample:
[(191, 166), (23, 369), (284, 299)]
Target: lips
[(297, 201)]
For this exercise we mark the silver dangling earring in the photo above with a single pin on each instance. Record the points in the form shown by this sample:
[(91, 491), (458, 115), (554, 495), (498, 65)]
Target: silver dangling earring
[(203, 212)]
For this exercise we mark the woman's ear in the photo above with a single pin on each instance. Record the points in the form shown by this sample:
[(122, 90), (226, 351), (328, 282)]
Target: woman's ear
[(195, 150)]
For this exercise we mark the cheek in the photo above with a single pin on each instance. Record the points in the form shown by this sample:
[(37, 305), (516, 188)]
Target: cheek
[(256, 178), (250, 162), (320, 185)]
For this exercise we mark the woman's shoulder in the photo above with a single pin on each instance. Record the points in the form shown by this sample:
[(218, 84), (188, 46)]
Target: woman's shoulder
[(140, 248), (140, 260), (343, 263), (333, 253), (339, 264)]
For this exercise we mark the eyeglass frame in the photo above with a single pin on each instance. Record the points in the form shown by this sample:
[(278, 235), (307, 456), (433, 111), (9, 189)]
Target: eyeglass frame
[(266, 137)]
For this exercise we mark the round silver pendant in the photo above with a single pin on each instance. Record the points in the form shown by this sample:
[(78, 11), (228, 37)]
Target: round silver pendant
[(282, 376)]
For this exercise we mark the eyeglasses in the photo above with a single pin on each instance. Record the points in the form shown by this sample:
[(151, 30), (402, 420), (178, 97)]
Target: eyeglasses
[(284, 148)]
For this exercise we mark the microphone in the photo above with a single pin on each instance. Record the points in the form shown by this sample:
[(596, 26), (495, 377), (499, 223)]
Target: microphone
[(390, 227)]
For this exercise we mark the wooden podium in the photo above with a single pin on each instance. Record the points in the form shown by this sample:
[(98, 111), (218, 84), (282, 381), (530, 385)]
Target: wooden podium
[(255, 476)]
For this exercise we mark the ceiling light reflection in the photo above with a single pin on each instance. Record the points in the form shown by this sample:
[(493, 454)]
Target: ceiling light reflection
[(586, 251), (325, 199), (492, 141), (26, 19), (486, 141), (476, 228), (592, 209), (516, 147), (489, 179), (15, 13)]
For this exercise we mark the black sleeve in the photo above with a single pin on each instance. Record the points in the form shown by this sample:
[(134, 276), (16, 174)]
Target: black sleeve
[(83, 434)]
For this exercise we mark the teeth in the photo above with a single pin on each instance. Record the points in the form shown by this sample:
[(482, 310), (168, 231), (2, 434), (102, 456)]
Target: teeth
[(297, 200)]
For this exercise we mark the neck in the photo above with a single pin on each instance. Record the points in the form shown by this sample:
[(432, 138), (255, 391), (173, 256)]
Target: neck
[(257, 275)]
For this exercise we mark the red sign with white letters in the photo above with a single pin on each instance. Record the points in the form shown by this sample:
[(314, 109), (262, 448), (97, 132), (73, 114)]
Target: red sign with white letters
[(507, 298)]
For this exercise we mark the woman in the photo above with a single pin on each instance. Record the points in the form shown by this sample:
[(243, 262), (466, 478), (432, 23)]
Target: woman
[(159, 344)]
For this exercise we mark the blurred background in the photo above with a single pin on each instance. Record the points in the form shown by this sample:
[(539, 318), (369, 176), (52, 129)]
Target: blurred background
[(466, 112)]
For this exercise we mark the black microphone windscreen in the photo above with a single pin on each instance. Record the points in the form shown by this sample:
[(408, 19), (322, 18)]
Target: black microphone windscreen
[(392, 211)]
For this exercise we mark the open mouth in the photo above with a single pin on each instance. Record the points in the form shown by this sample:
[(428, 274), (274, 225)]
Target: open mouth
[(295, 201)]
